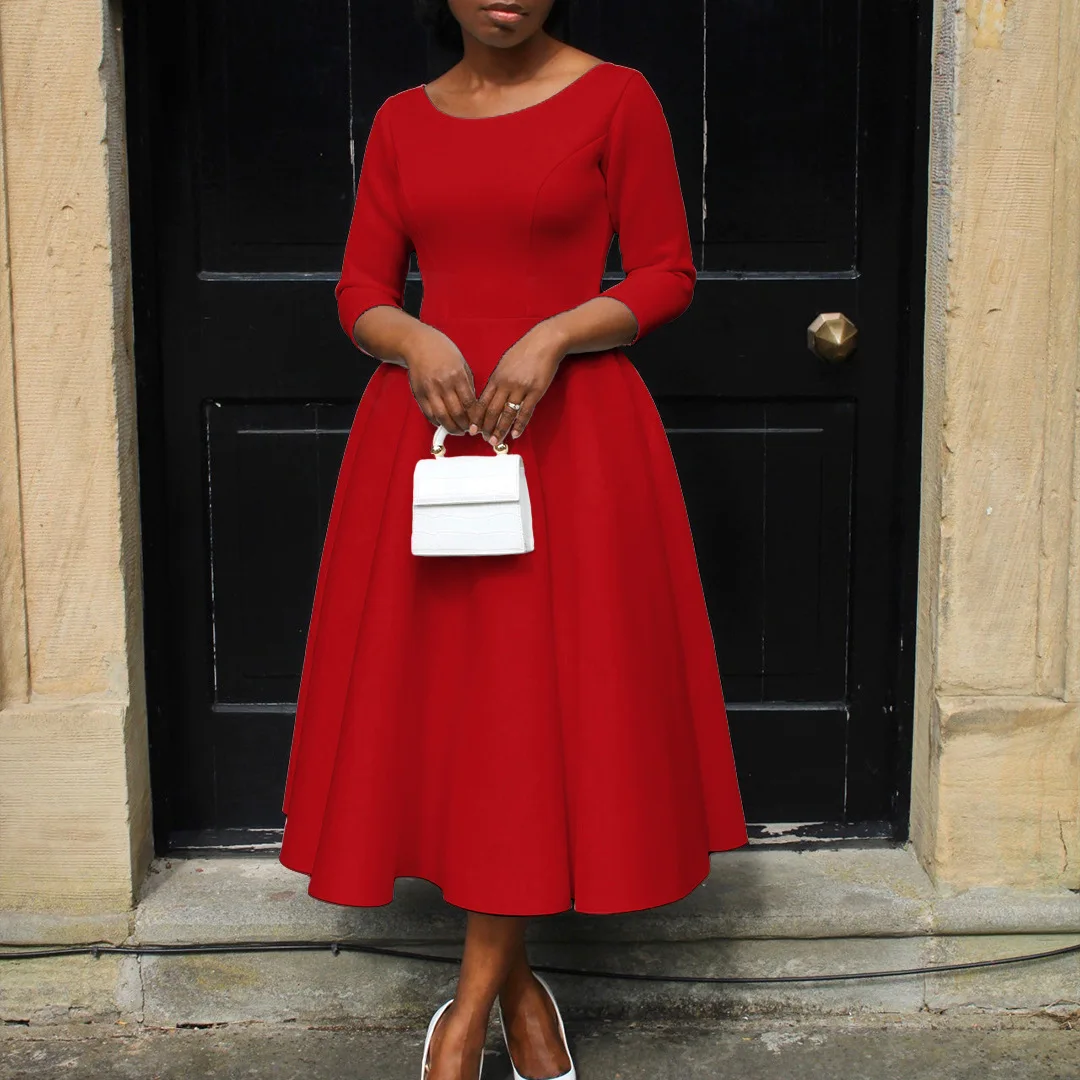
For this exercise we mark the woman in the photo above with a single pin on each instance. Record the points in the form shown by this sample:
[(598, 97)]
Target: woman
[(530, 732)]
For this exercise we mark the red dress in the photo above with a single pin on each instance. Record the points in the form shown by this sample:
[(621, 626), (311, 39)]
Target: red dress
[(529, 732)]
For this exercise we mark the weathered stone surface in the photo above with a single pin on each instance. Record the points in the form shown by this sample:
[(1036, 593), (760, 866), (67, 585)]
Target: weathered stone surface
[(362, 988), (756, 1049), (751, 893), (1040, 985), (14, 657), (998, 303), (70, 277), (74, 798), (48, 928), (64, 824), (772, 912), (59, 990), (1008, 792), (1000, 532)]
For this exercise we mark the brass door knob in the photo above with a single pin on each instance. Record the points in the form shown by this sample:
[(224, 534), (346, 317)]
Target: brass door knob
[(832, 335)]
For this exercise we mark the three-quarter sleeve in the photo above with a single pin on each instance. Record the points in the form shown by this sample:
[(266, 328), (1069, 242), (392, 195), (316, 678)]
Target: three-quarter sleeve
[(377, 249), (647, 210)]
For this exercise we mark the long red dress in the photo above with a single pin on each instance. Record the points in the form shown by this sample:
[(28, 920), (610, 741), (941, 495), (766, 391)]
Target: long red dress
[(530, 732)]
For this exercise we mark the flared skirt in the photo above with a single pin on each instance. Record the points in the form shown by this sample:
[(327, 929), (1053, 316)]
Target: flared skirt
[(530, 732)]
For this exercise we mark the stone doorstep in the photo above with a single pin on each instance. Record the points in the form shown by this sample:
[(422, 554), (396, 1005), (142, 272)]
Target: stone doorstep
[(762, 912), (761, 893), (754, 893)]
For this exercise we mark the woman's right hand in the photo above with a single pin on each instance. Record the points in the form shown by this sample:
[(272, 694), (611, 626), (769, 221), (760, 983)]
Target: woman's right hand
[(441, 380)]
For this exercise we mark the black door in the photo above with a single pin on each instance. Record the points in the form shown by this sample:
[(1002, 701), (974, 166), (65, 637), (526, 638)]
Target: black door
[(799, 129)]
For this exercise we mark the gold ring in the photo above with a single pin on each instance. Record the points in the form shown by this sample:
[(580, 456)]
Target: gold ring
[(511, 405)]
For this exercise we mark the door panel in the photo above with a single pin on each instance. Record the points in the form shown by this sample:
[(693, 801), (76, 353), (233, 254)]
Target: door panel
[(795, 128), (275, 149), (780, 180), (768, 492), (272, 470)]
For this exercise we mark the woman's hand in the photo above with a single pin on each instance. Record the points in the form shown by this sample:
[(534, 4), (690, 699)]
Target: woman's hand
[(441, 380), (521, 377)]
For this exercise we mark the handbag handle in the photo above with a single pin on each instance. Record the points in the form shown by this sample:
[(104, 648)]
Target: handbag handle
[(438, 449)]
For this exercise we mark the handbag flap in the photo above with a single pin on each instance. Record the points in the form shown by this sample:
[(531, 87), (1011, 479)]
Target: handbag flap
[(471, 479)]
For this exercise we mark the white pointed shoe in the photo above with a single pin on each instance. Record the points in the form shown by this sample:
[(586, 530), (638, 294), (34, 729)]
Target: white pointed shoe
[(571, 1073), (424, 1066)]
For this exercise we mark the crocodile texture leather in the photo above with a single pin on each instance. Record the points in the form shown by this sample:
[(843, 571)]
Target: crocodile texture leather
[(471, 506)]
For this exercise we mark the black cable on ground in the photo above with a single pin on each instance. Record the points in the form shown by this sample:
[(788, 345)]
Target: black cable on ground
[(35, 952)]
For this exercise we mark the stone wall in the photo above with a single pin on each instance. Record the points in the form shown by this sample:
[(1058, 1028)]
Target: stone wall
[(996, 785), (74, 778)]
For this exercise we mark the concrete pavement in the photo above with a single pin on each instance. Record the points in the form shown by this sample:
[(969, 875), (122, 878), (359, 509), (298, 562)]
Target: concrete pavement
[(975, 1047)]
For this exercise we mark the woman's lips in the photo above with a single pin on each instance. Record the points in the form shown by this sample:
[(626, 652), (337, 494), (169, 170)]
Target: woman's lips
[(504, 18)]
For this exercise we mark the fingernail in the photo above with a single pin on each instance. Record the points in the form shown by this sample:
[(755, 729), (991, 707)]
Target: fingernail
[(473, 429)]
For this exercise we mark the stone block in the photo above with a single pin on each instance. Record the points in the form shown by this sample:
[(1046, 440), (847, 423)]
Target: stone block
[(1008, 794), (65, 842), (60, 990), (1032, 986)]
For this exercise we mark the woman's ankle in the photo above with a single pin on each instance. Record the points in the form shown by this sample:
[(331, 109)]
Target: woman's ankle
[(470, 1016), (520, 981)]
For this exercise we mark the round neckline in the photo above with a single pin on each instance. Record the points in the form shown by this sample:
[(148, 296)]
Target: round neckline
[(514, 112)]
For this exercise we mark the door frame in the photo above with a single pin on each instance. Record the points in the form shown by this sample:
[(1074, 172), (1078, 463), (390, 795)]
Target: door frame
[(153, 188)]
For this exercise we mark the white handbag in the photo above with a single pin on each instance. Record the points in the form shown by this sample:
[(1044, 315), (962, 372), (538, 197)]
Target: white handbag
[(470, 505)]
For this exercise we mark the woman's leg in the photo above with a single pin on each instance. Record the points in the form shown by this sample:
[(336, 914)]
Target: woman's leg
[(492, 942), (532, 1028)]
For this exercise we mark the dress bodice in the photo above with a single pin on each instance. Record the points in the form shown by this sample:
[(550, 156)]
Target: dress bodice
[(512, 216)]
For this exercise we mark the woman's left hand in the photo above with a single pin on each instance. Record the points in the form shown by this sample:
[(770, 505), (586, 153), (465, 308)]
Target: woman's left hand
[(521, 377)]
